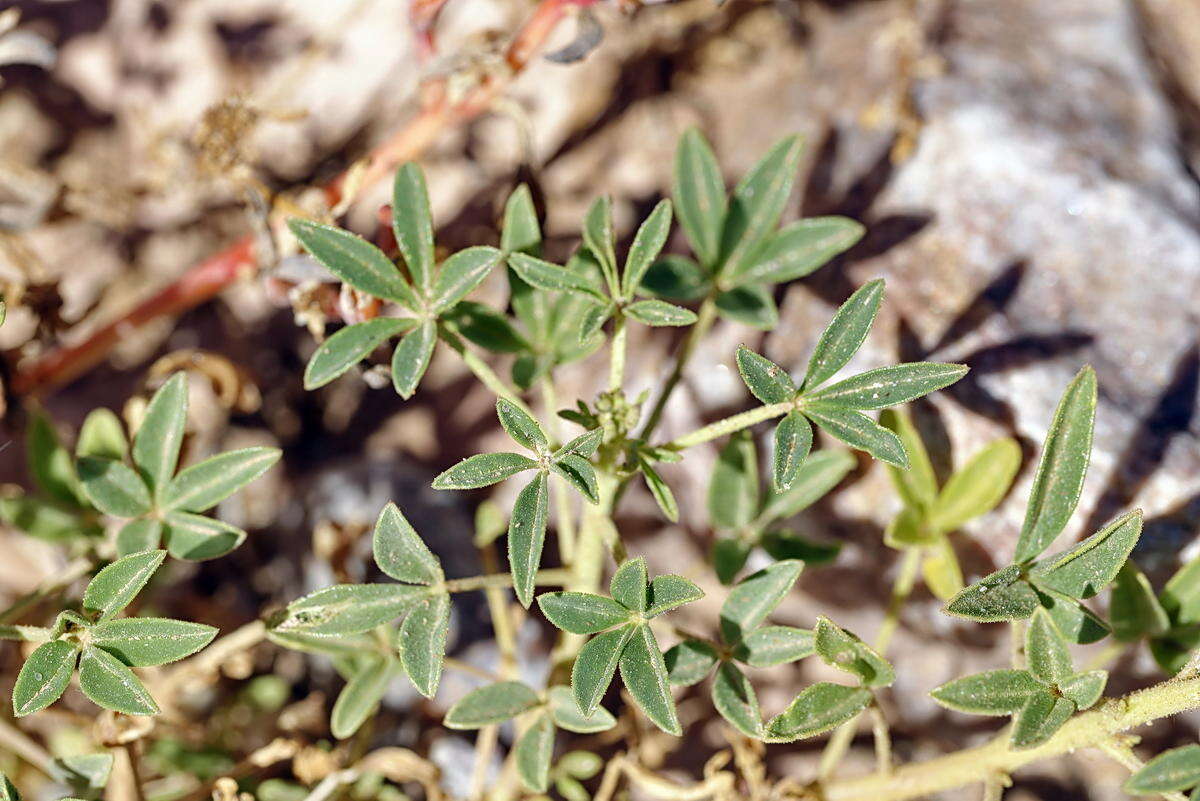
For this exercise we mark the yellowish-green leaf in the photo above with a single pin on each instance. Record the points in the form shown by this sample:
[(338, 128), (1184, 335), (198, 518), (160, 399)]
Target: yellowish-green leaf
[(977, 487), (102, 435), (43, 677), (917, 486), (494, 703)]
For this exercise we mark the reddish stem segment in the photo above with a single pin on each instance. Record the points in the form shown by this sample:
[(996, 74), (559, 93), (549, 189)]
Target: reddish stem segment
[(209, 277)]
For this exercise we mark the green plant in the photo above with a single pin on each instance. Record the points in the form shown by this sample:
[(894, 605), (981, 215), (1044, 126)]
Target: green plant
[(118, 500)]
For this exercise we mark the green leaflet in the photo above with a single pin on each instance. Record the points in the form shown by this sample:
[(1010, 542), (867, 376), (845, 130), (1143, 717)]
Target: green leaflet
[(111, 685), (783, 544), (797, 250), (492, 704), (578, 472), (359, 699), (551, 277), (941, 571), (115, 585), (143, 534), (995, 692), (195, 537), (659, 489), (819, 474), (400, 552), (750, 305), (595, 665), (734, 698), (1042, 715), (840, 649), (527, 536), (1177, 769), (754, 597), (628, 585), (977, 487), (113, 487), (1064, 464), (521, 427), (1084, 570), (676, 278), (43, 677), (483, 469), (1181, 597), (844, 335), (699, 194), (412, 223), (1134, 610), (47, 520), (909, 529), (461, 273), (757, 203), (733, 489), (204, 485), (793, 440), (102, 436), (1085, 689), (486, 327), (411, 358), (668, 592), (50, 463), (149, 641), (598, 239), (1077, 623), (656, 313), (566, 715), (768, 646), (1046, 650), (1003, 595), (581, 612), (819, 708), (917, 486), (349, 346), (7, 791), (354, 260), (766, 380), (348, 608), (644, 675), (85, 774), (858, 431), (521, 232), (728, 557), (889, 386), (533, 752), (689, 662), (423, 642), (647, 243), (157, 442)]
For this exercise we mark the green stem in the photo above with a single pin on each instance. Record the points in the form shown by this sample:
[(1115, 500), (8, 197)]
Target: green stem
[(564, 515), (731, 424), (706, 315), (1090, 729), (902, 587), (483, 371), (616, 364), (554, 577), (25, 633)]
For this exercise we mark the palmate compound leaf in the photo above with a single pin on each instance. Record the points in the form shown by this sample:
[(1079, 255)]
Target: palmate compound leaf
[(889, 386), (1003, 595), (699, 194), (995, 692), (840, 649), (844, 335), (1046, 650), (566, 715), (349, 346), (768, 646), (115, 585), (977, 487), (494, 703), (765, 379), (354, 260), (359, 699), (733, 490), (817, 709), (793, 441), (345, 609), (204, 485), (527, 536), (647, 243), (1042, 716), (595, 665), (1084, 570), (158, 439), (644, 675), (423, 642), (112, 685), (757, 203), (44, 677), (482, 470), (1063, 466), (858, 431), (533, 753), (1170, 771), (582, 612), (734, 698), (400, 552), (149, 641), (755, 597), (113, 487)]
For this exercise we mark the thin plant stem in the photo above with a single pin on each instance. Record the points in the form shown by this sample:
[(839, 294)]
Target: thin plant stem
[(135, 772), (483, 371), (506, 644), (729, 425), (14, 740), (62, 579), (471, 670), (554, 577), (883, 740), (1091, 729), (994, 787), (618, 345), (563, 511), (25, 633), (704, 321)]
